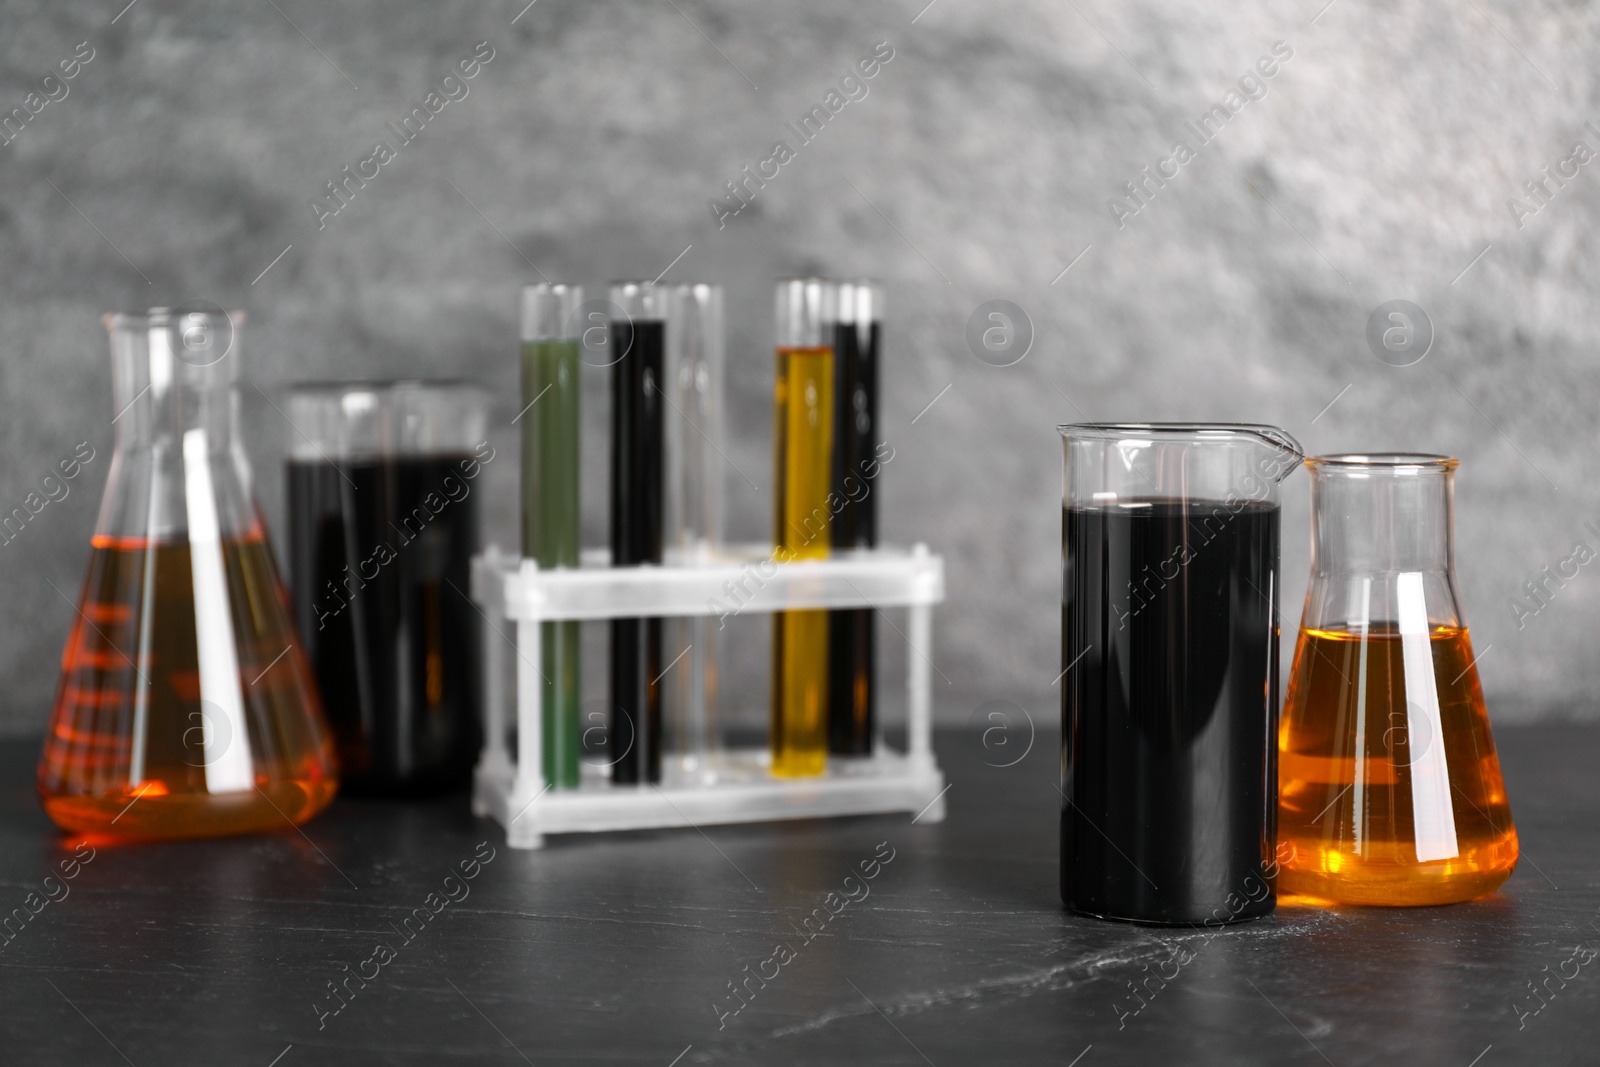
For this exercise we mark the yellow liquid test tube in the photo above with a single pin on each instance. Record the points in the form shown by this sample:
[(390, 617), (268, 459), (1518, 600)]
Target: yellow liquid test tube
[(803, 456)]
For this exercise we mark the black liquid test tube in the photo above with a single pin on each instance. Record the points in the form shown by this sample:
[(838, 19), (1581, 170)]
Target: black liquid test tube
[(638, 345), (851, 674)]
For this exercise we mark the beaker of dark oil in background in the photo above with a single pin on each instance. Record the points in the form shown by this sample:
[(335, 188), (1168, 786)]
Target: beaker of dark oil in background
[(1170, 670), (383, 483)]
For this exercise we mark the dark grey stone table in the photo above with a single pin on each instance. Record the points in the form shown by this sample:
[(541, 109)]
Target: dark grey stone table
[(621, 948)]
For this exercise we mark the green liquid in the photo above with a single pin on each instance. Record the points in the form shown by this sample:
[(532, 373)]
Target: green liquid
[(550, 533)]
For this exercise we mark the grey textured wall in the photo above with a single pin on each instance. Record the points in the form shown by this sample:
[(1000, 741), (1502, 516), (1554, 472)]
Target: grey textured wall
[(1377, 166)]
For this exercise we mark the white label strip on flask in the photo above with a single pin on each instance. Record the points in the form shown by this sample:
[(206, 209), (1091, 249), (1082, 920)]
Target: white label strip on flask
[(1431, 804), (224, 737)]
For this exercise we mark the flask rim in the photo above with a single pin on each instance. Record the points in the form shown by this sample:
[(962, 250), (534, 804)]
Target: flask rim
[(1384, 462), (163, 316)]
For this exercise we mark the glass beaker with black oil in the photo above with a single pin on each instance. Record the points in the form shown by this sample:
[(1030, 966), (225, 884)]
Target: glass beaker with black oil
[(1170, 669), (186, 707), (383, 481), (1389, 784)]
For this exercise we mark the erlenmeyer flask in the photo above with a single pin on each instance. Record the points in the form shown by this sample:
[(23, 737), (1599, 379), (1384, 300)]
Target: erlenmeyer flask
[(1389, 786), (186, 707)]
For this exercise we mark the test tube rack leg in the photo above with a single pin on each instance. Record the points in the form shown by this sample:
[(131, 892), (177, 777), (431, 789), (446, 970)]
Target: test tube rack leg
[(511, 788)]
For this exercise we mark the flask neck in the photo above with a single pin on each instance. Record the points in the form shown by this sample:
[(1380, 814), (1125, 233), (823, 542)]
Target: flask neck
[(1382, 519), (173, 373), (177, 472)]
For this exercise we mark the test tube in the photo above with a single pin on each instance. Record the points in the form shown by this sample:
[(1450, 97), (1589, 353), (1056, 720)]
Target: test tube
[(638, 349), (694, 510), (803, 461), (550, 511), (851, 718)]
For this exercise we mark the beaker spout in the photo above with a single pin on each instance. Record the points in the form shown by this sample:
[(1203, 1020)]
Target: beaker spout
[(1285, 452)]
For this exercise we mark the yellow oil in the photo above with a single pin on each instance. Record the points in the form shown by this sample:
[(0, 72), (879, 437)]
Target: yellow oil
[(802, 451)]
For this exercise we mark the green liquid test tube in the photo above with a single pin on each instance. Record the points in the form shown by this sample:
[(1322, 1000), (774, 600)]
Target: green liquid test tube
[(550, 506)]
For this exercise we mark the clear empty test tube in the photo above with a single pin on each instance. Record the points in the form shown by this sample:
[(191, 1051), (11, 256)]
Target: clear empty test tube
[(638, 349), (803, 460), (852, 721), (694, 514), (550, 506)]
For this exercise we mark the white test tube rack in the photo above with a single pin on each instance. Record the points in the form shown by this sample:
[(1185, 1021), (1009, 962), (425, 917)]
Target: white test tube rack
[(514, 792)]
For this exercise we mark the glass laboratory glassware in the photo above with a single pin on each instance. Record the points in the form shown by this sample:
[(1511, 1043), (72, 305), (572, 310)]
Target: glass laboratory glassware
[(638, 476), (857, 330), (186, 706), (1389, 785), (383, 481), (695, 348), (803, 461), (550, 513), (1169, 655)]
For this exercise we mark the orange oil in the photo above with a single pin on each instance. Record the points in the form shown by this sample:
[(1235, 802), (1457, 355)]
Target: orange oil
[(1353, 739), (124, 757)]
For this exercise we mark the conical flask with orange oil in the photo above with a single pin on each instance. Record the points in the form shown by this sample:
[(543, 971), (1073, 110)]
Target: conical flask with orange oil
[(1389, 788), (186, 707)]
